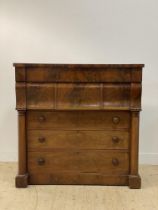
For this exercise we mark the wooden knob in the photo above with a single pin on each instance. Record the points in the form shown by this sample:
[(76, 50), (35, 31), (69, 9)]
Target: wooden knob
[(115, 161), (41, 139), (115, 139), (41, 161), (116, 120), (42, 118)]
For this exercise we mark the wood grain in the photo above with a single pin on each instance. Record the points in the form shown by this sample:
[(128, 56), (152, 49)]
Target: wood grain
[(136, 91), (78, 120), (78, 96), (51, 96), (22, 143), (116, 95), (78, 123), (72, 178), (52, 139), (21, 179), (21, 96), (82, 72), (134, 143), (40, 96), (89, 161)]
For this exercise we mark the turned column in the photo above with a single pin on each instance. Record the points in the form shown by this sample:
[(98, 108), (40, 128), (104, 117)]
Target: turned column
[(134, 178), (21, 178)]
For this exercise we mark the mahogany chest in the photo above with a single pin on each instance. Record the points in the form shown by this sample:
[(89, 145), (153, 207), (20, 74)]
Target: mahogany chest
[(78, 123)]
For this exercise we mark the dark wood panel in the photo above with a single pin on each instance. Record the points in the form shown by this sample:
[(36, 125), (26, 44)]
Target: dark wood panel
[(77, 74), (91, 161), (80, 72), (48, 139), (137, 74), (78, 120), (116, 95), (41, 96), (20, 73), (73, 178), (21, 96), (136, 90), (51, 96), (79, 96)]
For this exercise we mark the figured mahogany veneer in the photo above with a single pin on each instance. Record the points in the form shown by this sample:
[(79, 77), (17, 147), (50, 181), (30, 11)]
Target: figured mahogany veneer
[(78, 120), (78, 124), (89, 161), (77, 139)]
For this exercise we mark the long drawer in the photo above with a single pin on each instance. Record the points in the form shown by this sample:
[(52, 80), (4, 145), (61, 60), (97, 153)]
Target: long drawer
[(65, 96), (51, 139), (78, 120), (78, 72), (91, 161)]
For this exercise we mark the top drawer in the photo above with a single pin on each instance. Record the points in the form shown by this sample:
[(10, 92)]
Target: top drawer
[(78, 72), (78, 120)]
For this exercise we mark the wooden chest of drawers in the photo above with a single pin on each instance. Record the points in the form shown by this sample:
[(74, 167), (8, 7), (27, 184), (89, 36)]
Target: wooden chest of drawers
[(78, 124)]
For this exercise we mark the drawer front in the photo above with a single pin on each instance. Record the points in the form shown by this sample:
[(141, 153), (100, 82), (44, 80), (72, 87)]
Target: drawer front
[(79, 96), (78, 120), (49, 139), (65, 96), (116, 96), (91, 161), (81, 73), (40, 96)]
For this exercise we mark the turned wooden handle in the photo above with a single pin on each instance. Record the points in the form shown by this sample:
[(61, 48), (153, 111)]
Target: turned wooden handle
[(41, 118), (116, 120), (41, 161), (115, 161), (41, 139), (115, 139)]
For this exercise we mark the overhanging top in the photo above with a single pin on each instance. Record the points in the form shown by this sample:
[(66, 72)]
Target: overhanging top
[(79, 65)]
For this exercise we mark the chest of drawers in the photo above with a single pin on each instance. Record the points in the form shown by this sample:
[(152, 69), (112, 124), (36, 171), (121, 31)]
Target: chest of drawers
[(78, 123)]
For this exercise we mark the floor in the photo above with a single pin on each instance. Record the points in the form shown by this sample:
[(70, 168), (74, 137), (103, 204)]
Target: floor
[(78, 197)]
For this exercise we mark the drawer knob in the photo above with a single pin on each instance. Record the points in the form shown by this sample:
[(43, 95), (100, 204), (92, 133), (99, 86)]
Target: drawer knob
[(41, 139), (116, 120), (42, 119), (41, 161), (115, 161), (115, 139)]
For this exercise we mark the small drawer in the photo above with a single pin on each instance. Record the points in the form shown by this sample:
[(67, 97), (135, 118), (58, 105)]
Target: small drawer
[(91, 161), (51, 139), (78, 120)]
